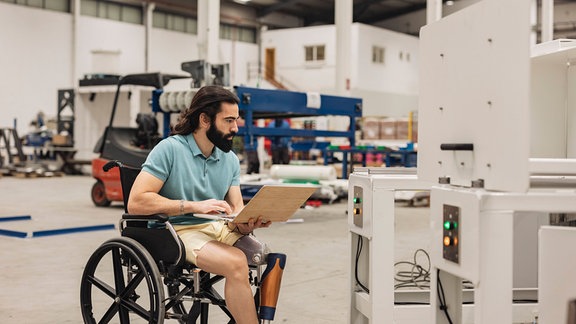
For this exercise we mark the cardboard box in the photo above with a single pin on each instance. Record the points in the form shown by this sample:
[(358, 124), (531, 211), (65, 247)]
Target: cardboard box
[(371, 128), (388, 128), (402, 129), (61, 140)]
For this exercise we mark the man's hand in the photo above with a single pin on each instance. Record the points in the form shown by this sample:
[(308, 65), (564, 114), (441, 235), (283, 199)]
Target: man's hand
[(247, 228), (212, 206)]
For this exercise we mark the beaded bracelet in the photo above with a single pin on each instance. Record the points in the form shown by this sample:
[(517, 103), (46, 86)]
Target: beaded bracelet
[(181, 207)]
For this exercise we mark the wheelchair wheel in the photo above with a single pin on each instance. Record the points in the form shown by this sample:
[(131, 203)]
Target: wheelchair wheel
[(121, 284)]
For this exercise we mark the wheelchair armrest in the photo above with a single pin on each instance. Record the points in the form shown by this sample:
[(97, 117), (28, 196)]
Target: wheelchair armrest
[(162, 218)]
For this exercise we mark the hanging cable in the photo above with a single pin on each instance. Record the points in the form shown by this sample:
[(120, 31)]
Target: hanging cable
[(418, 276), (358, 251), (442, 297)]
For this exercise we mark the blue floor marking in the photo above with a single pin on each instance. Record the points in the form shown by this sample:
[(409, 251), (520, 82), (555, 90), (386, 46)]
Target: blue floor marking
[(72, 230), (56, 231), (13, 233), (15, 218)]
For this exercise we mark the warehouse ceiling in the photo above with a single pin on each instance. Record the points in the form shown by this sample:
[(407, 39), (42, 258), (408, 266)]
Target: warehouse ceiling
[(320, 12), (316, 12)]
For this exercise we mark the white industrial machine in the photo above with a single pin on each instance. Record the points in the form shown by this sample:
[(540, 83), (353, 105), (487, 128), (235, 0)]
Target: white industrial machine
[(557, 291), (371, 219), (497, 121)]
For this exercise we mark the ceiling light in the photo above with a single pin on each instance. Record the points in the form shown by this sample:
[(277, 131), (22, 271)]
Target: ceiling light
[(449, 3), (242, 1)]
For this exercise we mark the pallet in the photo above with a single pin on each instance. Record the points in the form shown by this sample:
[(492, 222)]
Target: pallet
[(35, 174)]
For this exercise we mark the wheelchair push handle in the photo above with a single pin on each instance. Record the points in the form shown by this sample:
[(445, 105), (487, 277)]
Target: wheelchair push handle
[(112, 164)]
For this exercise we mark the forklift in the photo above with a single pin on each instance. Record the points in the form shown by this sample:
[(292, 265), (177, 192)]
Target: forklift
[(130, 145)]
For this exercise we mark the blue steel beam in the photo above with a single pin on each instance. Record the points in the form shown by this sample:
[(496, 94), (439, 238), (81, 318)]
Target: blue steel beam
[(295, 103)]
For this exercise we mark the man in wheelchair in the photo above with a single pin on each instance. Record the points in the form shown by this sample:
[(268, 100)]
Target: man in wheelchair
[(194, 171)]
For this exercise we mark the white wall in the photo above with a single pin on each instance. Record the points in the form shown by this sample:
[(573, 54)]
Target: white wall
[(399, 73), (183, 48), (96, 34), (35, 56), (291, 68), (36, 60), (170, 49), (389, 89)]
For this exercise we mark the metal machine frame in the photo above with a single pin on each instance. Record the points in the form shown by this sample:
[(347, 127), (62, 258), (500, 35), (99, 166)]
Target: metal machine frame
[(496, 251), (498, 134), (371, 218)]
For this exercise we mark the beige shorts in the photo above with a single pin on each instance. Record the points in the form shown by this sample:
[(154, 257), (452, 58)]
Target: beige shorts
[(195, 236)]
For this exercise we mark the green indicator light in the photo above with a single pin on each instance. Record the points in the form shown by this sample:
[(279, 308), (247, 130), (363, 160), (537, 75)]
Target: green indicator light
[(357, 200), (447, 225)]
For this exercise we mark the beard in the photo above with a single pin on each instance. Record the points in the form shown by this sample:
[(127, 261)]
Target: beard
[(219, 139)]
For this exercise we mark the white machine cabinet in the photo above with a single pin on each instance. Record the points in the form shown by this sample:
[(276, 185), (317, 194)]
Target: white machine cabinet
[(490, 239), (497, 125), (371, 218)]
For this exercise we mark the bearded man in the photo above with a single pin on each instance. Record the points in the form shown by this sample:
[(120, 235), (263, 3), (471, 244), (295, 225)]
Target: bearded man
[(194, 171)]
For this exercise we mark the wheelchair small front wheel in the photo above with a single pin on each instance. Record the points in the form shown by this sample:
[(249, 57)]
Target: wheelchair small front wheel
[(121, 283)]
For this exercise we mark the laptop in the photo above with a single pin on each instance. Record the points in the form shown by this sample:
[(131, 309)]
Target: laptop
[(275, 203)]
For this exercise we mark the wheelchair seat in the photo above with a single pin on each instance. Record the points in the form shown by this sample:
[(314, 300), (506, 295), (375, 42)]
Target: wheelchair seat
[(124, 279)]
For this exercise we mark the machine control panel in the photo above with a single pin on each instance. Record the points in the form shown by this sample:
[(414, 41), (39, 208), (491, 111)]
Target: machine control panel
[(357, 206), (451, 237)]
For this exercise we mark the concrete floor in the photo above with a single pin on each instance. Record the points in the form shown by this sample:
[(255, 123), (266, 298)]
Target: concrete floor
[(40, 277)]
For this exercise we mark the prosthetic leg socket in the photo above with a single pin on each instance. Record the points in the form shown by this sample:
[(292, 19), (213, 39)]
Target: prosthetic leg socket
[(255, 250), (270, 288)]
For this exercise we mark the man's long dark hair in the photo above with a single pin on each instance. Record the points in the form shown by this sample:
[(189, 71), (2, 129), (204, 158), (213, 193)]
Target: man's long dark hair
[(207, 100)]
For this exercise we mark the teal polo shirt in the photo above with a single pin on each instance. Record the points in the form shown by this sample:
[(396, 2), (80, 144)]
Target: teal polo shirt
[(187, 174)]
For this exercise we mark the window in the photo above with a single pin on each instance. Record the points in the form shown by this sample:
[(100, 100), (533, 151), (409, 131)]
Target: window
[(378, 54), (112, 11), (170, 21), (247, 34), (314, 53), (226, 32), (404, 56), (56, 5), (185, 24), (239, 33), (131, 15)]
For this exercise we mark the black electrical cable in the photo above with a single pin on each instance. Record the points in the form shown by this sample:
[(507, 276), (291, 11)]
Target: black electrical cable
[(441, 296), (358, 251), (411, 303)]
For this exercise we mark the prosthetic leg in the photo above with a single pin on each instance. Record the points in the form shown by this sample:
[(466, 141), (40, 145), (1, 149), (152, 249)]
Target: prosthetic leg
[(258, 254), (270, 285)]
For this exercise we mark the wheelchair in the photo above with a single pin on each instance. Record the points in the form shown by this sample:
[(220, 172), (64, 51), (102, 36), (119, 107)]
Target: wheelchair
[(143, 276)]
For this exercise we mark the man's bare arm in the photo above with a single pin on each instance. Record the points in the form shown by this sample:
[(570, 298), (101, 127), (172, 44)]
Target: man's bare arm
[(145, 200), (234, 199)]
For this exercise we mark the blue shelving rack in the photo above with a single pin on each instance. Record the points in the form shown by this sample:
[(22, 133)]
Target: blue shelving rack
[(258, 103)]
